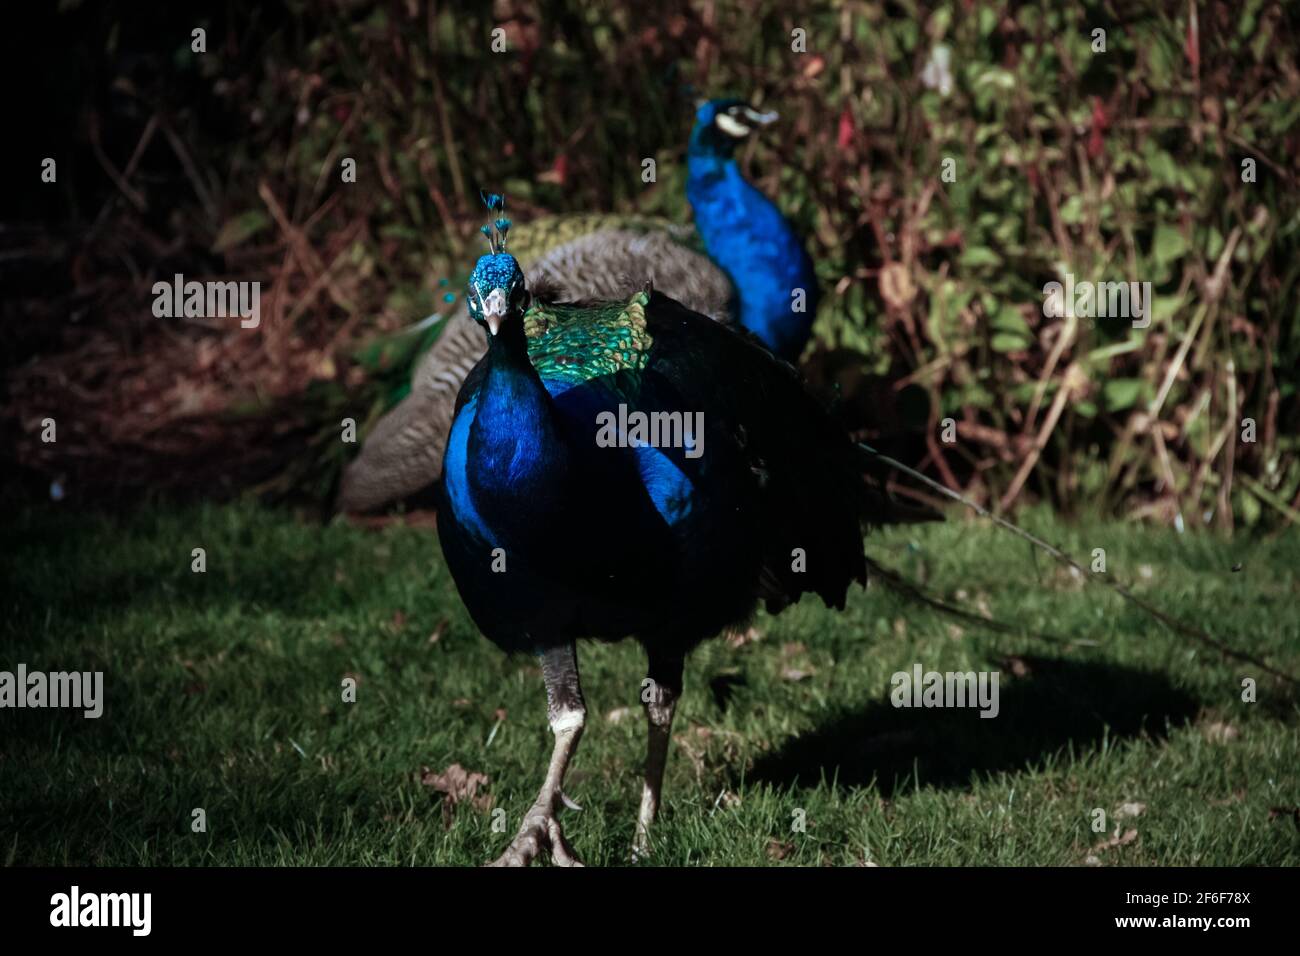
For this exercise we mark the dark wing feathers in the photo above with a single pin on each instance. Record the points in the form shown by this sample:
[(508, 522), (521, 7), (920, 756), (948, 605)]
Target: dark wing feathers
[(801, 468)]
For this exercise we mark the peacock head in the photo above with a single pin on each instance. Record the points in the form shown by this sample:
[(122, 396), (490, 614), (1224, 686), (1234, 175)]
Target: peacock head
[(497, 290), (722, 125)]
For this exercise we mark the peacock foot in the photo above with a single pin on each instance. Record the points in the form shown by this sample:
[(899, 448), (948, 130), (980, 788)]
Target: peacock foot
[(641, 852), (540, 831)]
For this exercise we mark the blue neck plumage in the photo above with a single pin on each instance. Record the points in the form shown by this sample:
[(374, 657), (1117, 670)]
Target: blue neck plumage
[(519, 458), (747, 236)]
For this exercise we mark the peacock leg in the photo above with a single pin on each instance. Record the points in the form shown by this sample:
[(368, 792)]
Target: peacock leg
[(659, 696), (567, 714)]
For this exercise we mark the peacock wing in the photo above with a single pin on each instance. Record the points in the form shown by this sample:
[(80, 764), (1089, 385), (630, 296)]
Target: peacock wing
[(573, 344)]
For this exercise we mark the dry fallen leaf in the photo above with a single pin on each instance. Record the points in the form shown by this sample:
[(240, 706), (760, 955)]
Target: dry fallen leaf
[(777, 850), (1275, 813), (1130, 809), (1220, 732), (727, 800), (439, 629), (1017, 666), (618, 713), (1117, 839), (458, 785)]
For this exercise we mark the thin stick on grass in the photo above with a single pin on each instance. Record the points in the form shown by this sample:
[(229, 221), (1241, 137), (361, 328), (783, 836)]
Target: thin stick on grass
[(1170, 622), (909, 590)]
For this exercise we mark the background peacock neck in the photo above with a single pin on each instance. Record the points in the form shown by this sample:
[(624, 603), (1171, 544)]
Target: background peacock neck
[(518, 458), (745, 234)]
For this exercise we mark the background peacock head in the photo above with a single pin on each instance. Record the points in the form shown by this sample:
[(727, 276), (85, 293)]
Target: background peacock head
[(722, 125)]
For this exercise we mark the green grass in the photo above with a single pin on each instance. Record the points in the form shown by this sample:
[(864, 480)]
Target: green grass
[(223, 692)]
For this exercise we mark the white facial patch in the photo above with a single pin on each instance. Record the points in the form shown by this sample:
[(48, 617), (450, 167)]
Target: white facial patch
[(731, 126), (495, 303)]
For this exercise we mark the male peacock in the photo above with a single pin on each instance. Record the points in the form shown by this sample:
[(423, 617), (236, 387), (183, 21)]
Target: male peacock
[(746, 262), (560, 517)]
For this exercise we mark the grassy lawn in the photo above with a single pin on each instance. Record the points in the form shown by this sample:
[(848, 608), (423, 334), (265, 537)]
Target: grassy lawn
[(223, 691)]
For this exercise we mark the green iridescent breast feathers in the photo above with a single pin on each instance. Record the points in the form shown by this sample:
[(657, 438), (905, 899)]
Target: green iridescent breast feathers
[(574, 344)]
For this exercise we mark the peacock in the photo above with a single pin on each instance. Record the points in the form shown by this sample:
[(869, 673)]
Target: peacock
[(631, 468), (743, 261)]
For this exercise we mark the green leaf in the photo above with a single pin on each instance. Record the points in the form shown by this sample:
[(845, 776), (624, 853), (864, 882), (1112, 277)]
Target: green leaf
[(1121, 393), (1008, 319), (1009, 342), (977, 256), (239, 229), (1072, 210), (1163, 169), (1170, 244)]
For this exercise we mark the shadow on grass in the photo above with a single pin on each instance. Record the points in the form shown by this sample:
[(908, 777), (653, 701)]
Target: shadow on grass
[(290, 572), (1058, 704)]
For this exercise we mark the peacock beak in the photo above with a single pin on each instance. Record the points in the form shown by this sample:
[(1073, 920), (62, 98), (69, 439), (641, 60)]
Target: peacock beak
[(761, 119), (494, 309)]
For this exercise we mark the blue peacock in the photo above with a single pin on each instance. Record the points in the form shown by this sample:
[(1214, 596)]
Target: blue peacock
[(553, 532), (743, 262)]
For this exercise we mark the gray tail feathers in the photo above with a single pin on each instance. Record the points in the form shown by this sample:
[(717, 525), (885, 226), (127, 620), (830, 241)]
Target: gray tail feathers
[(402, 455)]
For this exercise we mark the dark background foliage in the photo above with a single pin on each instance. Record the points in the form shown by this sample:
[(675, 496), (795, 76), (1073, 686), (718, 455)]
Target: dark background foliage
[(1114, 166)]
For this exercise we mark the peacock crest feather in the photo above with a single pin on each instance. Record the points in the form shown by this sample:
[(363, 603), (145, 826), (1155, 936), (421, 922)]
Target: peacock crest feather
[(495, 202), (574, 344)]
